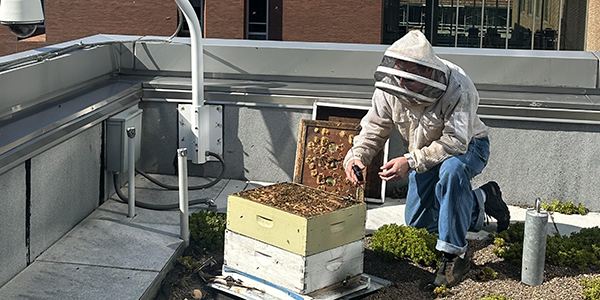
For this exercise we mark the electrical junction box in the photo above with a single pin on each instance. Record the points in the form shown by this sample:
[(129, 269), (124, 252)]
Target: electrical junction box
[(117, 157)]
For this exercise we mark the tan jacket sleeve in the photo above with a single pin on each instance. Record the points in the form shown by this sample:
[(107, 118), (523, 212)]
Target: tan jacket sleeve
[(376, 127)]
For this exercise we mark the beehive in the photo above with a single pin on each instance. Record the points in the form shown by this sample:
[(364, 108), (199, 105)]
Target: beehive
[(297, 273), (315, 231)]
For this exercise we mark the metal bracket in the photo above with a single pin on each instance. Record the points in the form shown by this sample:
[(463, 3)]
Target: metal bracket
[(210, 131)]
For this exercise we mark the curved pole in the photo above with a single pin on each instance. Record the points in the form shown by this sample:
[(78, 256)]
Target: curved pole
[(197, 68)]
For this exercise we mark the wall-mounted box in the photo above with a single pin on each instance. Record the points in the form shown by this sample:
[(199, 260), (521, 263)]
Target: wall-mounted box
[(117, 159)]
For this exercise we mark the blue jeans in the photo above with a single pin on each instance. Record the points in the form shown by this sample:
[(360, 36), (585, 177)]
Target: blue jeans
[(442, 200)]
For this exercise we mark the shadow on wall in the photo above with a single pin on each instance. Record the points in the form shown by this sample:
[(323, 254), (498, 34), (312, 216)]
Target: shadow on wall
[(283, 139), (259, 143), (545, 160)]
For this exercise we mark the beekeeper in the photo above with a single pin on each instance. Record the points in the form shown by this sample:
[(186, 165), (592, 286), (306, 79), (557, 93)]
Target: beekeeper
[(432, 103)]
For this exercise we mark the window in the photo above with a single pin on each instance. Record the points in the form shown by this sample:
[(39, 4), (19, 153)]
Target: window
[(257, 20), (198, 6), (509, 24)]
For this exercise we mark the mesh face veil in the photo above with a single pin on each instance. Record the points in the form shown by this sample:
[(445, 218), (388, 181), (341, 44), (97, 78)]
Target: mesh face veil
[(411, 71), (413, 82)]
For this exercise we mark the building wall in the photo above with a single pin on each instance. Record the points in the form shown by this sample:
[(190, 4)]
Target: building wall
[(352, 21), (224, 19), (68, 20), (593, 26)]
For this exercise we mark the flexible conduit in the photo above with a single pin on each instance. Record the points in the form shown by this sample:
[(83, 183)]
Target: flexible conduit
[(141, 204)]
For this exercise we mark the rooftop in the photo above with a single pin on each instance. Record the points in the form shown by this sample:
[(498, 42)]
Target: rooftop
[(111, 256), (69, 235)]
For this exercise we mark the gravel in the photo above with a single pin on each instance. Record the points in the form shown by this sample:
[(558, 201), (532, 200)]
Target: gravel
[(409, 281)]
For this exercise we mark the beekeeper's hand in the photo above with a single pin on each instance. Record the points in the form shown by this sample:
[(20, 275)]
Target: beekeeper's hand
[(350, 173), (394, 169)]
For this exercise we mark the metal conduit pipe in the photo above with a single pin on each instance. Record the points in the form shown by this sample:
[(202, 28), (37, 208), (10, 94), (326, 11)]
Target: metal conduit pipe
[(131, 171), (183, 196), (197, 68), (207, 201), (534, 245)]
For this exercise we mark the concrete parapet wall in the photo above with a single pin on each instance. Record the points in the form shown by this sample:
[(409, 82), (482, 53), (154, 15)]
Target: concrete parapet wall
[(13, 247), (46, 197), (528, 159), (259, 144), (65, 187), (545, 160), (336, 61)]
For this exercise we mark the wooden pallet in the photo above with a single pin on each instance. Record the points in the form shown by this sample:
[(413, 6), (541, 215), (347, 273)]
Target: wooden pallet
[(253, 288)]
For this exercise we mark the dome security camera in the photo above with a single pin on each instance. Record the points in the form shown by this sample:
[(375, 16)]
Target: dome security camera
[(21, 16)]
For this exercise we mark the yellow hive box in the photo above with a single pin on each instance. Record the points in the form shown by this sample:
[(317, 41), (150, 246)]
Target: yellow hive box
[(297, 234)]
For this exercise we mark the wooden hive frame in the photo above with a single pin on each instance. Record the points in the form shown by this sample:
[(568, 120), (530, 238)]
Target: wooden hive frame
[(322, 147)]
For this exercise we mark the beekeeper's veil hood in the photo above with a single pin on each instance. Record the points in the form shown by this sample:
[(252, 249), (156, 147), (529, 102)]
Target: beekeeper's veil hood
[(411, 71)]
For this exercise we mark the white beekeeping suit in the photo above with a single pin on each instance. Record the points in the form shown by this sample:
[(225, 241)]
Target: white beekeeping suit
[(435, 114)]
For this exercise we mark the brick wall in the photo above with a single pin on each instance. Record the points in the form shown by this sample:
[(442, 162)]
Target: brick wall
[(351, 21), (8, 42), (224, 19), (68, 19), (593, 26)]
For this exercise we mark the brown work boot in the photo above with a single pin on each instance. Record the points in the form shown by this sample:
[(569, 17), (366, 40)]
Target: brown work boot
[(451, 271)]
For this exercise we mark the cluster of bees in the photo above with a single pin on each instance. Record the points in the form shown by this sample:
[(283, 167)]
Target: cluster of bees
[(326, 155)]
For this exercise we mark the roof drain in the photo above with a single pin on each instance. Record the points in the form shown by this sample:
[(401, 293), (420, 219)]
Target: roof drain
[(141, 204)]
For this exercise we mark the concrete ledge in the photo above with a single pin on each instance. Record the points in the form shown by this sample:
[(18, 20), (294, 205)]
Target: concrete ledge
[(106, 256), (392, 211)]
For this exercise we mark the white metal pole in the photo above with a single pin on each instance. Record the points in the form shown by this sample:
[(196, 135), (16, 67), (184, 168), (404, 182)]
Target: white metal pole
[(197, 69), (131, 171), (481, 33), (533, 24), (183, 196), (508, 15), (456, 29), (560, 15)]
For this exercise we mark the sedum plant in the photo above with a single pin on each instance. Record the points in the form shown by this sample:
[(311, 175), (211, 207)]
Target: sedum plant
[(487, 273), (207, 229), (567, 208), (441, 291), (591, 289), (494, 297), (578, 250), (399, 241)]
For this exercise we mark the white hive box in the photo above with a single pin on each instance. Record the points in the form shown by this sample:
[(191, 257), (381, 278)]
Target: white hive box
[(297, 273)]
